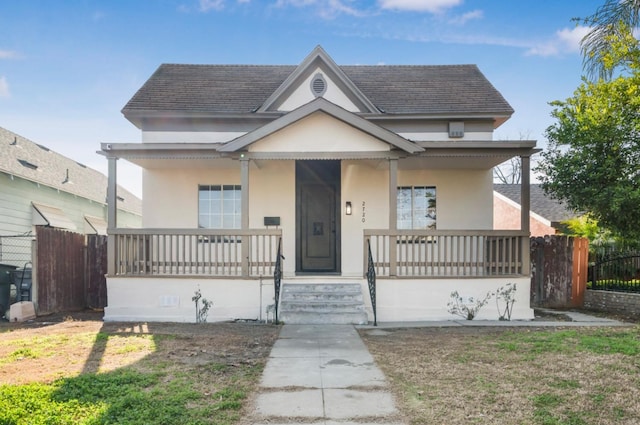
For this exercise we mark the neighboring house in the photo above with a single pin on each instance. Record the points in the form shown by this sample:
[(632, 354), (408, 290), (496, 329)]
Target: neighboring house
[(546, 215), (39, 187), (328, 159)]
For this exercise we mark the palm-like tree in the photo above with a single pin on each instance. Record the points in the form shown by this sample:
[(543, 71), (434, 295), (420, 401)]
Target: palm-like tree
[(615, 20)]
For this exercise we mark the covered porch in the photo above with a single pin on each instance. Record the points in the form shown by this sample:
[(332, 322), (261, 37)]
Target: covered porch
[(244, 266)]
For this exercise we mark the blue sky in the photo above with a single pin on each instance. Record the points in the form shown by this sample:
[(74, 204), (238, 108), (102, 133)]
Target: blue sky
[(68, 67)]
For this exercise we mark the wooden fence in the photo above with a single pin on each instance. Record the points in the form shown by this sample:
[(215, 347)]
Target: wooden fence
[(559, 266), (70, 270)]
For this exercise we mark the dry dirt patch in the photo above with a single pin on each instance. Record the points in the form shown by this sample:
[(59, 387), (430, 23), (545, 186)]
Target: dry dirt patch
[(62, 346), (474, 375)]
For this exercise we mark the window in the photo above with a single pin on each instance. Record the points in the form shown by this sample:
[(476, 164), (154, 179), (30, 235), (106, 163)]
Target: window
[(219, 206), (417, 207)]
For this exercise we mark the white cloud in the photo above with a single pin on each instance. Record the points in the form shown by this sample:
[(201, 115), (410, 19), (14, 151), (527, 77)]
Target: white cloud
[(564, 41), (7, 54), (207, 5), (327, 9), (431, 6), (466, 17), (4, 87)]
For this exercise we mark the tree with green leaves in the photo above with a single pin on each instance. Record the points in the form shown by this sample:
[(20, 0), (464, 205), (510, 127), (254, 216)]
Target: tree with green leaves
[(593, 157)]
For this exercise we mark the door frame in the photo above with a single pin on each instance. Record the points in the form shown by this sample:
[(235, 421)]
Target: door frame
[(326, 172)]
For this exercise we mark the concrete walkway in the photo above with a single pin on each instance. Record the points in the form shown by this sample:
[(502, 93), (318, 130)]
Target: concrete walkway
[(577, 319), (323, 374)]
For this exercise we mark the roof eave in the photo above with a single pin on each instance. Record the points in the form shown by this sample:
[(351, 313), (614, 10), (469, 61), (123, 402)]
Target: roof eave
[(138, 116)]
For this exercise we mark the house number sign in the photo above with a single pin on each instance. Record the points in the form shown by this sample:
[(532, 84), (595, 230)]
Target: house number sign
[(364, 218)]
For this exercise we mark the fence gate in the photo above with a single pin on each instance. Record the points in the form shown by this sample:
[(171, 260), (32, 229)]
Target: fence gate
[(59, 270), (70, 270), (559, 271)]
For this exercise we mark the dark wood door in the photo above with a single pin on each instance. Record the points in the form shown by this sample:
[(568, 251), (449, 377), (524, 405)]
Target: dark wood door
[(318, 227)]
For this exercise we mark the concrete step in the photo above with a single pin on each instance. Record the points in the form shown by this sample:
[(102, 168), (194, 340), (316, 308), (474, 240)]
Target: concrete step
[(322, 307), (318, 303), (314, 318), (326, 297), (322, 288)]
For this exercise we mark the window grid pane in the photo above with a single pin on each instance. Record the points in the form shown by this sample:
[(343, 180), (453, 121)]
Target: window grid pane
[(220, 206), (416, 208)]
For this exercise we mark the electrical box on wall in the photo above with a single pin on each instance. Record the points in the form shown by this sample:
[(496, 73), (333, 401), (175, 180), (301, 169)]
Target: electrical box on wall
[(456, 129), (272, 221)]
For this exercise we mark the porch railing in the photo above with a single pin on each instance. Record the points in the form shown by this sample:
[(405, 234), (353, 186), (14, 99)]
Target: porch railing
[(448, 253), (194, 252)]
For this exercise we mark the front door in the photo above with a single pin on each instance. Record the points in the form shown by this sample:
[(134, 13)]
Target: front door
[(317, 216)]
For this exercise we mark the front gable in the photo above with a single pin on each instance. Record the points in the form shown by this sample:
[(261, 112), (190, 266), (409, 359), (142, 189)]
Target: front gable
[(309, 126), (303, 136), (318, 76)]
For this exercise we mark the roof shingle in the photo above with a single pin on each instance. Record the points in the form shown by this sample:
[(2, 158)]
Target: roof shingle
[(395, 89)]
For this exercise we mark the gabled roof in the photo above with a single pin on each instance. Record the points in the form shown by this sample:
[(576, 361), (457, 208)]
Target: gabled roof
[(328, 108), (23, 158), (219, 90), (551, 209), (318, 58)]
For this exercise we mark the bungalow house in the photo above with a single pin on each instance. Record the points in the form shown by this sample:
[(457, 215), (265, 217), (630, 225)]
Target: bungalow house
[(546, 216), (332, 193)]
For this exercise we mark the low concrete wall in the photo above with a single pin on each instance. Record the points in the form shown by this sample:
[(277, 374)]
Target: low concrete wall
[(612, 302), (170, 299), (407, 300)]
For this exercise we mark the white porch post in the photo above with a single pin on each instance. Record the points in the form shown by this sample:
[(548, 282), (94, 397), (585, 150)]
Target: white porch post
[(393, 213), (244, 220), (112, 213), (525, 208)]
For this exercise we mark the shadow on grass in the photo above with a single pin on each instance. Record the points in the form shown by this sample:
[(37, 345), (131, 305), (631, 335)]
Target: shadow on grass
[(161, 388)]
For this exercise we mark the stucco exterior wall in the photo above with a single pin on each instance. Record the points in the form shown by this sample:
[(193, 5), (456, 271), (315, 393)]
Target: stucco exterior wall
[(463, 200), (364, 184), (272, 192), (304, 136), (463, 196), (402, 300), (303, 94), (398, 300), (171, 194), (169, 299)]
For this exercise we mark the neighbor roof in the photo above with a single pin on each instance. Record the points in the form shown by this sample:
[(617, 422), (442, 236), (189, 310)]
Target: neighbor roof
[(553, 210), (23, 158), (393, 89)]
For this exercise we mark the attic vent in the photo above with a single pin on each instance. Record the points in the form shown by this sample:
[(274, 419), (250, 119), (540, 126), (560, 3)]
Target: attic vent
[(456, 129), (318, 85), (27, 164), (44, 148)]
